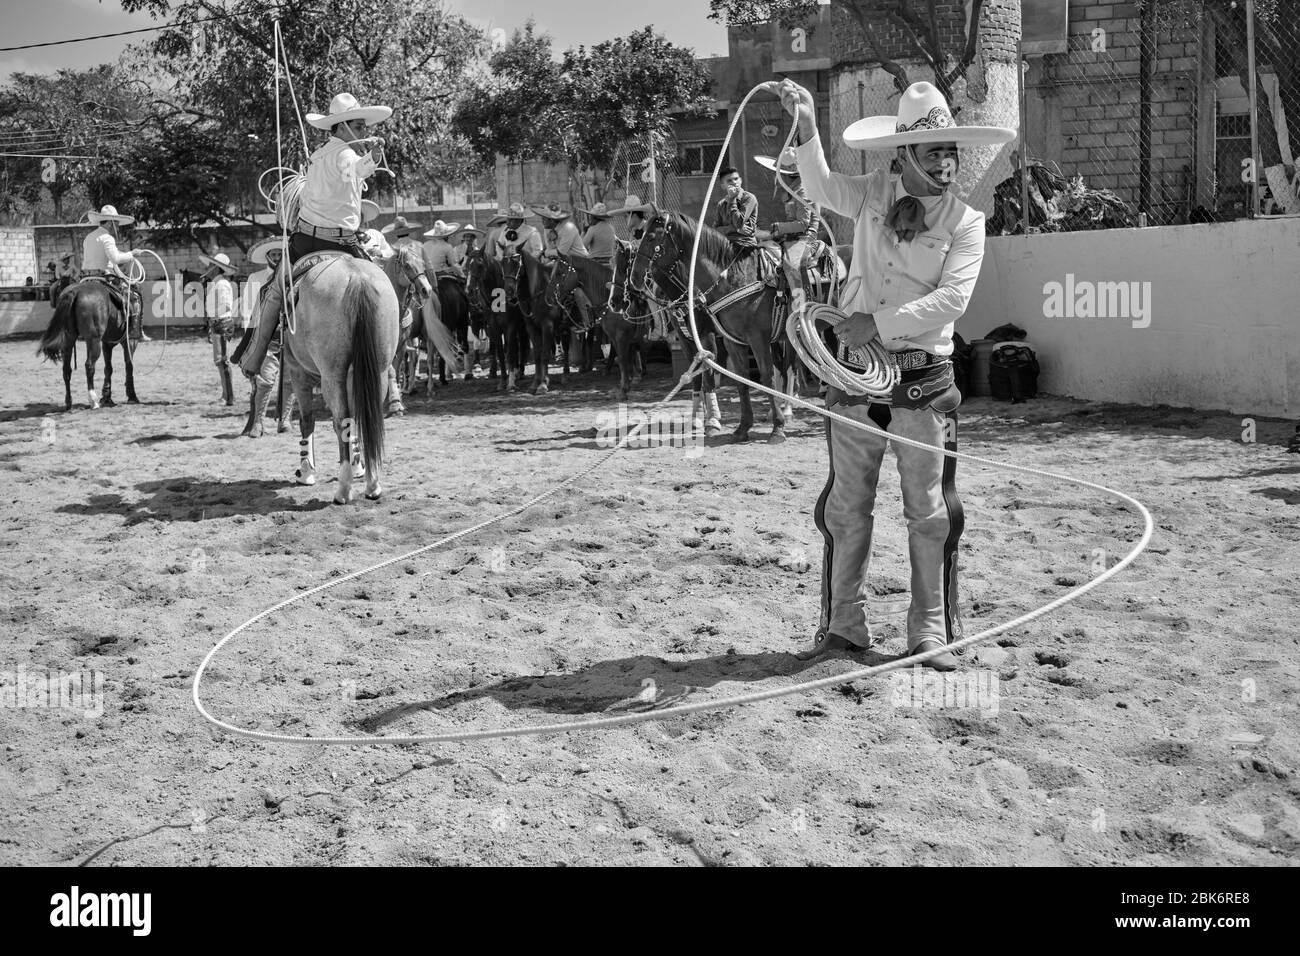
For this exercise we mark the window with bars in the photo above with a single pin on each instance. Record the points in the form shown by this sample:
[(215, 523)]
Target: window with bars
[(698, 159)]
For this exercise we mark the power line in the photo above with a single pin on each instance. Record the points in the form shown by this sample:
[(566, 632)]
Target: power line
[(123, 33), (46, 156)]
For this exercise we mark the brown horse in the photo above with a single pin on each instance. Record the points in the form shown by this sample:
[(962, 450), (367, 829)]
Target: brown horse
[(86, 311), (492, 294), (664, 257), (625, 329), (542, 318)]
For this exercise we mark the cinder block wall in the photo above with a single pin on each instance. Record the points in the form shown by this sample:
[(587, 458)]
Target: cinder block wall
[(17, 255)]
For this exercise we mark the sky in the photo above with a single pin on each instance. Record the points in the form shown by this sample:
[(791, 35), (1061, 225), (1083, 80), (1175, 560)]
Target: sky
[(569, 22)]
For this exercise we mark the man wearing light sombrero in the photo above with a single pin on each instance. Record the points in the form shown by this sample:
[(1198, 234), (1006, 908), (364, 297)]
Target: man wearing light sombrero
[(917, 251), (441, 258), (797, 233), (330, 213), (220, 312), (268, 253), (102, 259), (600, 238), (517, 235)]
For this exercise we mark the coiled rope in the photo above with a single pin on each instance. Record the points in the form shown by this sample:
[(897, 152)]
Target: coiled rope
[(134, 280), (604, 723)]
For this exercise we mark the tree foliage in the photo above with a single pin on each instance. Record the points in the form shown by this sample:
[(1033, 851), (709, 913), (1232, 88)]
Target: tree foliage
[(917, 19), (577, 111)]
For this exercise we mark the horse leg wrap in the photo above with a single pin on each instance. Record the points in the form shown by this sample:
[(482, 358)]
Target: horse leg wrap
[(306, 473), (697, 412)]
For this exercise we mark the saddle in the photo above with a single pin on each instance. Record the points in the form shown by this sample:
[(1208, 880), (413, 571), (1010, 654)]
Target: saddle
[(117, 291)]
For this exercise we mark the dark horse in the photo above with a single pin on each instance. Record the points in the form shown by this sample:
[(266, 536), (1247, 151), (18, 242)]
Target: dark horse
[(492, 294), (88, 312), (664, 257), (624, 328), (542, 318), (454, 302)]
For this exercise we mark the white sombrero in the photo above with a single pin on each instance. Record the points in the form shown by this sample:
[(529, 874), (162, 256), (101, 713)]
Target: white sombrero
[(345, 107), (464, 232), (109, 214), (441, 230), (515, 210), (632, 203), (369, 211), (496, 220), (598, 211), (259, 252), (789, 164), (221, 261), (923, 117)]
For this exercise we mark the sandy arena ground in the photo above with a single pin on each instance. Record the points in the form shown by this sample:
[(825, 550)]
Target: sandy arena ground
[(1154, 721)]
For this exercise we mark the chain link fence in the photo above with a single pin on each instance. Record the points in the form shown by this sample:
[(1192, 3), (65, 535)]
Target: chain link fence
[(1273, 50)]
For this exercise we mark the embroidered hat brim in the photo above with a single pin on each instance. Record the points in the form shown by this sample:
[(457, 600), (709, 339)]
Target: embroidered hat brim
[(881, 132)]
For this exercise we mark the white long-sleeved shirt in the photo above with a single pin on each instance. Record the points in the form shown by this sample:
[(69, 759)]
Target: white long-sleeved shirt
[(331, 197), (568, 239), (220, 300), (99, 251), (601, 240), (527, 238), (441, 256), (916, 290)]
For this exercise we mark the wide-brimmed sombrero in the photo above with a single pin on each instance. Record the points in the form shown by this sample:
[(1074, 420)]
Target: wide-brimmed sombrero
[(345, 107), (496, 220), (597, 211), (441, 230), (552, 210), (632, 203), (109, 214), (369, 211), (464, 232), (221, 261), (261, 250), (399, 227), (789, 163), (923, 117)]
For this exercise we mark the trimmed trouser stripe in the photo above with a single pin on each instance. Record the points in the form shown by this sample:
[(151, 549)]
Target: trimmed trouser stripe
[(819, 518), (956, 524)]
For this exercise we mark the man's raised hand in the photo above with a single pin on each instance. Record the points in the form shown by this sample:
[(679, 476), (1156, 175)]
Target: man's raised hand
[(798, 102)]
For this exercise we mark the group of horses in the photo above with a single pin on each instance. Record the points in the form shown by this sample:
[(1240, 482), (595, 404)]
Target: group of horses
[(346, 323)]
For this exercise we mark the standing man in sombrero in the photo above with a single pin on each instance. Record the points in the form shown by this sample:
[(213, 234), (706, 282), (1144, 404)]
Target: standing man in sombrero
[(101, 258), (220, 312), (917, 251), (330, 215), (268, 253)]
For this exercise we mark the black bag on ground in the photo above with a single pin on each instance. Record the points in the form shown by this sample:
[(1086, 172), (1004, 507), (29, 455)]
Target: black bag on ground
[(1013, 372)]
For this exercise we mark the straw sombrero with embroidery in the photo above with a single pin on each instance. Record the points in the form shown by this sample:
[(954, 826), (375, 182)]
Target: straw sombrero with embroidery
[(221, 261), (345, 107), (441, 230), (261, 250), (923, 117), (553, 211), (464, 232), (109, 214)]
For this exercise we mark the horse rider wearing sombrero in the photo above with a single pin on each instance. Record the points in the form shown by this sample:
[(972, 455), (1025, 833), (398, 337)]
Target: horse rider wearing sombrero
[(374, 244), (220, 312), (600, 238), (797, 233), (406, 268), (495, 227), (330, 213), (917, 251), (565, 239), (441, 258), (736, 217), (102, 259), (517, 234), (268, 253)]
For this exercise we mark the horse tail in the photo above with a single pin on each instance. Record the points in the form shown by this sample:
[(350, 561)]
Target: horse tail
[(61, 335), (369, 369)]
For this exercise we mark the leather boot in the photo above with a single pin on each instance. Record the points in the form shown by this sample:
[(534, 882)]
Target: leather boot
[(261, 398), (268, 321), (286, 410), (227, 385)]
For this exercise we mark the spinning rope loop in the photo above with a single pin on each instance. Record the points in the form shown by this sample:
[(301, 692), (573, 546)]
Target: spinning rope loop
[(703, 357)]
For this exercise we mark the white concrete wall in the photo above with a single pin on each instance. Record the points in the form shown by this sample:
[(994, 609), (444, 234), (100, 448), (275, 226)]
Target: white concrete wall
[(17, 255), (1224, 328)]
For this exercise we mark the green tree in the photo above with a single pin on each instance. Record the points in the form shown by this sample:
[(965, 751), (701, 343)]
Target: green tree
[(578, 111)]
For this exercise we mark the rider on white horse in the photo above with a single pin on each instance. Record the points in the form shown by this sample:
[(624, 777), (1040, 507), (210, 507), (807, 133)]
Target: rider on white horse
[(330, 214), (102, 259)]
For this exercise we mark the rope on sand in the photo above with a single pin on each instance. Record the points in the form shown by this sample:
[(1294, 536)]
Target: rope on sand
[(605, 723)]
